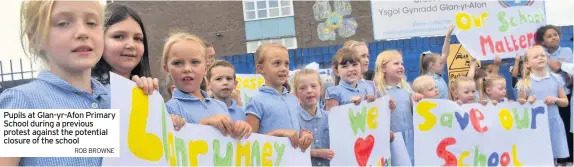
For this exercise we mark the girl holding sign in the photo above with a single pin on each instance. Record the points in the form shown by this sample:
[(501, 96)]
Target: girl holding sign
[(538, 82), (184, 59), (350, 87), (273, 111), (307, 86), (494, 89), (432, 64), (68, 36), (390, 80)]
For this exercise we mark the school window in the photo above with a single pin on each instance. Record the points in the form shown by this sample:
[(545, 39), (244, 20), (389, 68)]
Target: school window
[(265, 9), (288, 42)]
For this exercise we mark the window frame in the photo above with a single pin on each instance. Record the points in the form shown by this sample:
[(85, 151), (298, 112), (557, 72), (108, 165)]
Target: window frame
[(267, 9)]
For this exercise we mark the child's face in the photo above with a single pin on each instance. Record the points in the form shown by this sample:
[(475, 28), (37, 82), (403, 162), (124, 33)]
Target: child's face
[(431, 92), (75, 41), (222, 81), (363, 53), (308, 90), (536, 58), (497, 91), (210, 52), (551, 38), (124, 46), (186, 65), (394, 68), (437, 66), (349, 72), (275, 67), (466, 92)]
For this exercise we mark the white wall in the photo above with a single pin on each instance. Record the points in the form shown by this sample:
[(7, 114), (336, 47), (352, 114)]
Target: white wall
[(560, 12)]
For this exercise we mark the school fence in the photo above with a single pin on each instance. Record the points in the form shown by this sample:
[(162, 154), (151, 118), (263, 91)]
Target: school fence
[(17, 73), (411, 49)]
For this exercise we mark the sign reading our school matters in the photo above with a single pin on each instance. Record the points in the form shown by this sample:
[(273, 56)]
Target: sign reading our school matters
[(360, 135), (149, 139), (506, 32), (508, 134)]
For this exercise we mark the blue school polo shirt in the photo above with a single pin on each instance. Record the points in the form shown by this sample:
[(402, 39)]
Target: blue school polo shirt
[(237, 113), (319, 126), (192, 109), (275, 110)]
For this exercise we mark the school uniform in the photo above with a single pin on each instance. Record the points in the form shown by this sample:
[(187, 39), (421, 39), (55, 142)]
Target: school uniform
[(441, 85), (564, 53), (192, 109), (48, 91), (542, 87), (402, 117), (237, 113), (319, 126), (274, 110), (345, 91)]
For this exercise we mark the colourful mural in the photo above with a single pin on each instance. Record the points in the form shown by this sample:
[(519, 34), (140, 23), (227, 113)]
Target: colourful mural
[(337, 21)]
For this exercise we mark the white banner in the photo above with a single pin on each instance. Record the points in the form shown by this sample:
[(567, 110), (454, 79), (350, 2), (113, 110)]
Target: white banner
[(148, 138), (360, 135), (508, 134), (503, 32), (420, 18)]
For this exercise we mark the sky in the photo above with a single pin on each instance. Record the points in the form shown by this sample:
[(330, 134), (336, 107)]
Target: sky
[(558, 12)]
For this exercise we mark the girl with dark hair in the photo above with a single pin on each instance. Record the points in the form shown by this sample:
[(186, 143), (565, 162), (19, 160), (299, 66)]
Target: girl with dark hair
[(125, 48), (548, 36)]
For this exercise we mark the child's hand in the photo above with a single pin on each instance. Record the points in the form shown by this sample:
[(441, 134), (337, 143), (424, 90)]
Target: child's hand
[(417, 97), (324, 153), (531, 99), (483, 102), (510, 100), (554, 65), (521, 101), (305, 140), (241, 130), (148, 84), (292, 135), (551, 100), (356, 99), (517, 57), (220, 121), (497, 60), (178, 121), (371, 98), (495, 102), (459, 102), (392, 104), (392, 136)]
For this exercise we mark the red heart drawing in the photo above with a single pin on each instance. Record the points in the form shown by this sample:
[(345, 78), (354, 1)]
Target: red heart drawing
[(363, 148)]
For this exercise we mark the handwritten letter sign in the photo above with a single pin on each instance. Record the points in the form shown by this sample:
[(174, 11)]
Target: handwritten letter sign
[(494, 31), (149, 139), (360, 134), (508, 134)]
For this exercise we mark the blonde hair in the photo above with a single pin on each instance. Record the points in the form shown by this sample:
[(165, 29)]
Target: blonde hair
[(420, 84), (524, 83), (425, 60), (382, 59), (177, 37), (488, 81), (35, 18), (352, 43), (305, 72), (343, 56), (456, 83), (260, 57)]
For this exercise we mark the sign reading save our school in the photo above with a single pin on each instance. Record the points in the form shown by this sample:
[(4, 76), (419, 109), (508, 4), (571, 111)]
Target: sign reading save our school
[(508, 134), (149, 139), (506, 32)]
